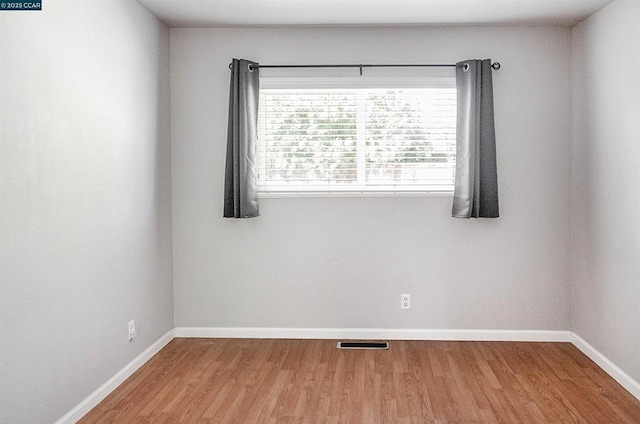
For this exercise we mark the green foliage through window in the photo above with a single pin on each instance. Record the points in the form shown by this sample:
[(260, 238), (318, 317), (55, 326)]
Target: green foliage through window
[(357, 139)]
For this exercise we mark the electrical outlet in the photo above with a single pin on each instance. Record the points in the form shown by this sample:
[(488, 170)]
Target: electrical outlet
[(405, 301), (132, 330)]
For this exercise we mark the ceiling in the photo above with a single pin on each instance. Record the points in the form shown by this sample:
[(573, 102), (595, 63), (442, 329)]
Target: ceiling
[(258, 13)]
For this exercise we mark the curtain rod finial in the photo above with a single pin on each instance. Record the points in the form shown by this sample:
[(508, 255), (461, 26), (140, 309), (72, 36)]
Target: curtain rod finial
[(496, 65)]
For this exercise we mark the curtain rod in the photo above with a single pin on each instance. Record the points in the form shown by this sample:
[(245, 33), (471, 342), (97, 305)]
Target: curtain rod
[(494, 65)]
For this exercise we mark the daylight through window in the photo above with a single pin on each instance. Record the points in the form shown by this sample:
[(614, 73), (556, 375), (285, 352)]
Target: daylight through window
[(339, 135)]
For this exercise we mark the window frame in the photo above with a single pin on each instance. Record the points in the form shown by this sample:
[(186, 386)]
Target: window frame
[(340, 82)]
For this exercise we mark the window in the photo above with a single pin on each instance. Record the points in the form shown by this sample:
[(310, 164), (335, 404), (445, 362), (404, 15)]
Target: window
[(356, 135)]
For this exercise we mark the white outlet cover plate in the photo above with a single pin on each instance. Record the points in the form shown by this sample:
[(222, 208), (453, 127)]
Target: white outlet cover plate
[(405, 301)]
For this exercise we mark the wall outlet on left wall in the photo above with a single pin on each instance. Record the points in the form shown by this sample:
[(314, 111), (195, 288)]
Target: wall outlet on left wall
[(132, 330)]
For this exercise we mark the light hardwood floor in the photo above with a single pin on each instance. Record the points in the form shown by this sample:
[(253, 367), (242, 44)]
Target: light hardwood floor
[(206, 381)]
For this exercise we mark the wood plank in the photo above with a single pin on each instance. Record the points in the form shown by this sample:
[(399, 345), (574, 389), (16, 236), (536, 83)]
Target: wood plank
[(239, 381)]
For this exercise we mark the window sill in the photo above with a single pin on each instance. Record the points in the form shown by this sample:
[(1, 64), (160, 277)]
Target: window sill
[(308, 194)]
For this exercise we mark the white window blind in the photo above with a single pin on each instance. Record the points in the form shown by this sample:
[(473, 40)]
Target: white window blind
[(356, 135)]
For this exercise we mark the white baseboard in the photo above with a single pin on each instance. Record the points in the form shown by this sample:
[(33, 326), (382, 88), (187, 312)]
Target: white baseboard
[(103, 391), (607, 365), (373, 333)]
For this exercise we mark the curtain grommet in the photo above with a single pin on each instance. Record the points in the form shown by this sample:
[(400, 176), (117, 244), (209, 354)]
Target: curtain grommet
[(465, 67)]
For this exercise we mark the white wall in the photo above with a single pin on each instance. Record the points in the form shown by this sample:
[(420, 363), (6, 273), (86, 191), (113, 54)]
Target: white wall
[(606, 183), (86, 203), (343, 262)]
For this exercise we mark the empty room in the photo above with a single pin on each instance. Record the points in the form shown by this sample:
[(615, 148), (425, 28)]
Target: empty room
[(319, 211)]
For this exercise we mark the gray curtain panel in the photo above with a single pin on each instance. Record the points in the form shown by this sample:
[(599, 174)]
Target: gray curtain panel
[(240, 190), (476, 186)]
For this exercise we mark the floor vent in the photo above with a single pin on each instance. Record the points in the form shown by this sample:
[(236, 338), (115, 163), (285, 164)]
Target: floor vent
[(363, 345)]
